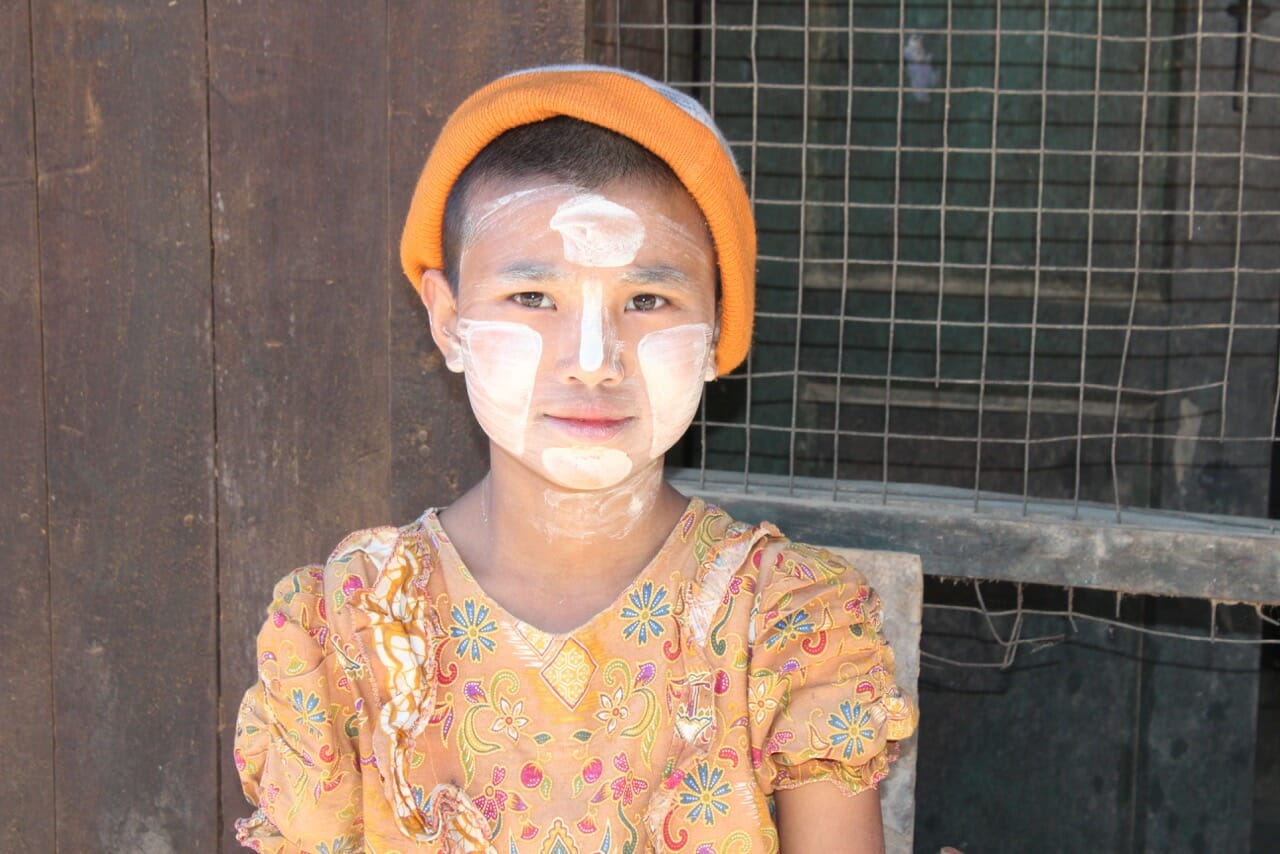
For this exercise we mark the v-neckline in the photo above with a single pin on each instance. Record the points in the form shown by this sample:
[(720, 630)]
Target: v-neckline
[(455, 567)]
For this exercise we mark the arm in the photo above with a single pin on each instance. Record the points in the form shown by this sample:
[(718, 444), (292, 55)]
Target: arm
[(818, 817), (296, 761)]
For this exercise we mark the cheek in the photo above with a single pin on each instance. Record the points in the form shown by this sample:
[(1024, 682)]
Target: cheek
[(675, 364), (501, 362)]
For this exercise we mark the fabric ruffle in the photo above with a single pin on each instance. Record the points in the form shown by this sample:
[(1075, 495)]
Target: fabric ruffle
[(824, 702), (397, 621)]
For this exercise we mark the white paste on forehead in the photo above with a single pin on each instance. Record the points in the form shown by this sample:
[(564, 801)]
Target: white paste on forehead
[(586, 467), (598, 232), (675, 364), (500, 360), (479, 220), (591, 335)]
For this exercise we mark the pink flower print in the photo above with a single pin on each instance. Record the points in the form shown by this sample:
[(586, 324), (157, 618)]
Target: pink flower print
[(626, 787), (734, 588), (592, 770), (493, 800), (780, 738), (351, 584)]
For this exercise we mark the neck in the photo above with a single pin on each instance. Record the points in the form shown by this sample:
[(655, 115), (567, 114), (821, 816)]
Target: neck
[(516, 531)]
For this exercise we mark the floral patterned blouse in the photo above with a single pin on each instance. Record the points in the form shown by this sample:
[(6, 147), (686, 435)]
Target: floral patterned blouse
[(399, 708)]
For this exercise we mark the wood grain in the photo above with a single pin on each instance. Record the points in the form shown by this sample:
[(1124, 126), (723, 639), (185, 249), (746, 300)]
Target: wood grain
[(26, 810), (124, 257), (298, 181)]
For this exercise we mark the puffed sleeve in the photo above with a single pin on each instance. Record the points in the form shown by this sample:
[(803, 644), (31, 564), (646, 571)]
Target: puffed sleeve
[(823, 704), (294, 744)]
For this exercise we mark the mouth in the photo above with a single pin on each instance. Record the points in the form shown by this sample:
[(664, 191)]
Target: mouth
[(588, 427)]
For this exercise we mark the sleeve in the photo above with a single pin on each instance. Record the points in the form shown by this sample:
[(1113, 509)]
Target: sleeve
[(295, 744), (824, 704)]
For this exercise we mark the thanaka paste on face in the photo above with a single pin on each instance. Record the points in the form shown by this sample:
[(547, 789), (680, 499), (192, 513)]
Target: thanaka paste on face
[(502, 363), (587, 466), (592, 325), (675, 364), (598, 232), (500, 360), (616, 511)]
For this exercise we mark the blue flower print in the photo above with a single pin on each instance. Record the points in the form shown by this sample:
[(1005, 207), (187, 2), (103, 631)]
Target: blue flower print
[(341, 845), (472, 628), (789, 628), (852, 726), (308, 709), (705, 792), (646, 606)]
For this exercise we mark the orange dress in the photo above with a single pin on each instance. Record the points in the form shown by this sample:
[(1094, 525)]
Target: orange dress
[(399, 708)]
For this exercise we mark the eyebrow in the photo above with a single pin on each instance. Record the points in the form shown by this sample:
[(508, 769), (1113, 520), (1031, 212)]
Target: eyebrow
[(529, 271), (654, 275)]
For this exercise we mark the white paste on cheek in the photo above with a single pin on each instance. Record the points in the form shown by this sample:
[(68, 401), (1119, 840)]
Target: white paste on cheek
[(500, 361), (591, 335), (598, 232), (586, 467), (675, 364)]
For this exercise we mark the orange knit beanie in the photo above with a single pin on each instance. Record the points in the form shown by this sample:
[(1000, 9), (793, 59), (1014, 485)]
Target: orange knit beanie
[(668, 123)]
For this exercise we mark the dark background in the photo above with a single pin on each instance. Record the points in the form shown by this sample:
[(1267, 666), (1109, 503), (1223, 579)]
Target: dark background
[(213, 367)]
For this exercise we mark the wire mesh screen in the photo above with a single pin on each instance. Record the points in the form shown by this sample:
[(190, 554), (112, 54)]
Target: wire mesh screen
[(1025, 248)]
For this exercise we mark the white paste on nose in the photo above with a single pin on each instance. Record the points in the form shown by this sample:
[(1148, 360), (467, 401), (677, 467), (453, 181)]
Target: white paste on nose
[(675, 363), (598, 232), (591, 335), (500, 360), (586, 467)]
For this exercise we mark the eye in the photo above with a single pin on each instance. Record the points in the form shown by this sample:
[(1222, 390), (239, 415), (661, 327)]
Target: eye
[(645, 302), (533, 299)]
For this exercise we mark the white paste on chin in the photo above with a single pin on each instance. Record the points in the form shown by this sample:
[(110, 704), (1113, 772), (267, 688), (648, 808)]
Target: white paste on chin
[(598, 232), (500, 361), (675, 364), (585, 467)]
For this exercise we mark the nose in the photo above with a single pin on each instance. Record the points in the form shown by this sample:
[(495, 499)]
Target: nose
[(598, 353)]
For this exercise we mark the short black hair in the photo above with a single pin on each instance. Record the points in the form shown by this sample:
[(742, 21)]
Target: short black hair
[(561, 148)]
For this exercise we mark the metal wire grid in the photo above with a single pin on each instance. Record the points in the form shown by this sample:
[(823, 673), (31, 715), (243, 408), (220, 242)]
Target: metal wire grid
[(779, 76), (1007, 636)]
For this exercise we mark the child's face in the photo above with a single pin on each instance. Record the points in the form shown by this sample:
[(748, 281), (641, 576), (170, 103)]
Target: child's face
[(583, 322)]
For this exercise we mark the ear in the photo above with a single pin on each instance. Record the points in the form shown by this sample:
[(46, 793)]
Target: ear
[(711, 375), (437, 296)]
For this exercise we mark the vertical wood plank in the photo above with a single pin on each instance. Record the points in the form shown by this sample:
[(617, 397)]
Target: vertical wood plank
[(438, 57), (124, 255), (298, 178), (26, 740)]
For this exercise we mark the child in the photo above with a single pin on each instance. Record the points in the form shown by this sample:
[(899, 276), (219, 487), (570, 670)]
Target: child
[(573, 656)]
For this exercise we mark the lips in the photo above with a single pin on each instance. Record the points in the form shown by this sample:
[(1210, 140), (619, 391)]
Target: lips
[(588, 427)]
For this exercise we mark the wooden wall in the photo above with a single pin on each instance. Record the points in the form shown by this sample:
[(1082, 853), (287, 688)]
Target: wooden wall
[(213, 368)]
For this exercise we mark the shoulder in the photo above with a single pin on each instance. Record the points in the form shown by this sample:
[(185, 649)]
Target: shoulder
[(804, 589), (357, 563)]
